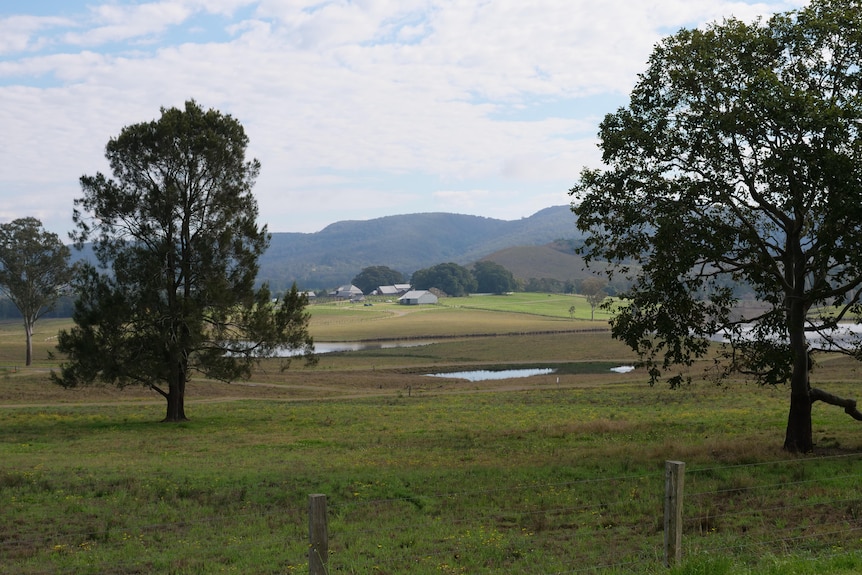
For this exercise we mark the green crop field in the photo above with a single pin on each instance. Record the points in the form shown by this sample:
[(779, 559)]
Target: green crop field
[(552, 305), (558, 473)]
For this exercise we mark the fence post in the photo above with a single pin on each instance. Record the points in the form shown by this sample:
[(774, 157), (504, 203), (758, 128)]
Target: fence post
[(318, 535), (674, 476)]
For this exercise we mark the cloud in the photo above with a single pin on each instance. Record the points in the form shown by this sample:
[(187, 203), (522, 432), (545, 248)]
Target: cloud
[(363, 107), (21, 33)]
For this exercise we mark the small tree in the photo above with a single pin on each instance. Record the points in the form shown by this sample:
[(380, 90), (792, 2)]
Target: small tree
[(34, 267), (177, 229), (594, 289), (739, 159)]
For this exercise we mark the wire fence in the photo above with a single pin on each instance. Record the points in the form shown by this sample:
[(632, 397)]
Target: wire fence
[(805, 507)]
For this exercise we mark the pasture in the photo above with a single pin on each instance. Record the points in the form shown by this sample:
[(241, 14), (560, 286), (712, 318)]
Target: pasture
[(549, 474)]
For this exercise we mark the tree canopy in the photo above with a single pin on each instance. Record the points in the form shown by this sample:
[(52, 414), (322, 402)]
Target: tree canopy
[(175, 233), (492, 277), (739, 160), (371, 278), (453, 279), (34, 267), (594, 288)]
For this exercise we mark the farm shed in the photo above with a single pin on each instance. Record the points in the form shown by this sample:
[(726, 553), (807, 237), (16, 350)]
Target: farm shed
[(393, 290), (348, 292), (387, 290), (417, 297)]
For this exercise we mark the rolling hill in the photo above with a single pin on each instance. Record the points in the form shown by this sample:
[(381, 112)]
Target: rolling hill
[(555, 260), (406, 243)]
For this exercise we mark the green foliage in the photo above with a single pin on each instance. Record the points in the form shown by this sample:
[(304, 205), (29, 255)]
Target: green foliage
[(451, 278), (491, 277), (738, 159), (594, 289), (34, 269), (177, 228), (546, 285), (370, 278)]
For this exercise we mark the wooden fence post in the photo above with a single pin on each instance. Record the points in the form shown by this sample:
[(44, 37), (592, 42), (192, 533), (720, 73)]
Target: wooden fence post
[(318, 535), (674, 475)]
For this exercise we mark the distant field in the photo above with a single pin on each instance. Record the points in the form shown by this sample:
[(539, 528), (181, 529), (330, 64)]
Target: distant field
[(12, 348), (473, 315), (552, 305)]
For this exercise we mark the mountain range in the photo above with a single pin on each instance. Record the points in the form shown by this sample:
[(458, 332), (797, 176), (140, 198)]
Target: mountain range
[(406, 243)]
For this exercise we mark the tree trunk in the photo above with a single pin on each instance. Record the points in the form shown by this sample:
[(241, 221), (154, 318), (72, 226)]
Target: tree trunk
[(799, 437), (176, 399), (28, 329)]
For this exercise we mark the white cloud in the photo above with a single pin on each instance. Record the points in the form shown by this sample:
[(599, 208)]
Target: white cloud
[(121, 22), (21, 33), (355, 108)]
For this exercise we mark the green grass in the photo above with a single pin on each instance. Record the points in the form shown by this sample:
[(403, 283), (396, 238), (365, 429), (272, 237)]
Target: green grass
[(424, 475), (472, 315), (551, 305), (543, 481)]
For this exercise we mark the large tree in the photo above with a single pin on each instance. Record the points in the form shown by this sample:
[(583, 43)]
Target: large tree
[(453, 279), (175, 233), (371, 278), (739, 160), (492, 277), (34, 268)]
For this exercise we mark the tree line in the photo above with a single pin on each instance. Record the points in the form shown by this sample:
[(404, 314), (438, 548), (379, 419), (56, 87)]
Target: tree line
[(482, 277)]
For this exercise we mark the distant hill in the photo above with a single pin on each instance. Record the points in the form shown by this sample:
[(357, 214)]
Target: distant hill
[(555, 261), (406, 243)]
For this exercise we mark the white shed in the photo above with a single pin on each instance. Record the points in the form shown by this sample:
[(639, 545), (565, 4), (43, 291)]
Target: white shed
[(417, 297)]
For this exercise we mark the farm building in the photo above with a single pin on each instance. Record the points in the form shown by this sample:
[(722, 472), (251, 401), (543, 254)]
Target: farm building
[(348, 292), (417, 297), (393, 290), (385, 290)]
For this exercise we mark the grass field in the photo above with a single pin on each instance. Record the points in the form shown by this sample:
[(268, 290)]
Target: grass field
[(550, 474)]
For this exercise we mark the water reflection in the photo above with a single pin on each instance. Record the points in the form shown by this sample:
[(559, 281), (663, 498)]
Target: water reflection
[(330, 347), (486, 374), (337, 346)]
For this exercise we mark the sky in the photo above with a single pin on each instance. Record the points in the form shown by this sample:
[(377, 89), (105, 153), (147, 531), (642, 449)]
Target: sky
[(356, 109)]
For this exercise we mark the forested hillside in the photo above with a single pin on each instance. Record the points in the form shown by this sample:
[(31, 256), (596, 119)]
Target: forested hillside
[(334, 255)]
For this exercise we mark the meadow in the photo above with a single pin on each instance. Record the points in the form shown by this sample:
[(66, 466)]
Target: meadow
[(560, 473)]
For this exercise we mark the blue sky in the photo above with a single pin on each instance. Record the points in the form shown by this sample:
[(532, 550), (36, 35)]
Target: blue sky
[(356, 108)]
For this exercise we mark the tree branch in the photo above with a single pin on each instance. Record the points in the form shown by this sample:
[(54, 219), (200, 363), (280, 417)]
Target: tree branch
[(848, 404), (158, 390)]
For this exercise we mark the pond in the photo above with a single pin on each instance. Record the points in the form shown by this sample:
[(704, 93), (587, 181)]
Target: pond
[(487, 374), (337, 346)]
